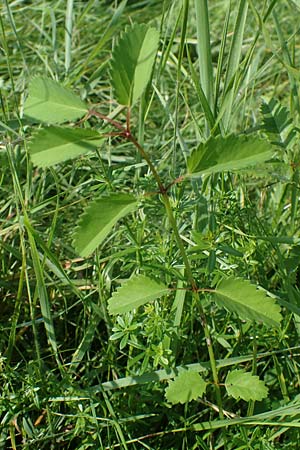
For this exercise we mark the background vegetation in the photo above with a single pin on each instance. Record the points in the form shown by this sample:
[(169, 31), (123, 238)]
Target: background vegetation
[(106, 386)]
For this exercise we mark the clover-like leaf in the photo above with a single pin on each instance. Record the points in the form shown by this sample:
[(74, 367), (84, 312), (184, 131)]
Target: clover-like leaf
[(243, 298), (98, 220), (187, 386), (228, 153), (135, 292), (53, 145), (244, 385), (52, 103), (132, 61)]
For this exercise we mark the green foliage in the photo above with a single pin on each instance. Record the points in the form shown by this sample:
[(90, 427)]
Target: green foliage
[(98, 220), (187, 386), (132, 61), (244, 299), (90, 338), (219, 154), (243, 385), (137, 291), (53, 145), (277, 123), (50, 102)]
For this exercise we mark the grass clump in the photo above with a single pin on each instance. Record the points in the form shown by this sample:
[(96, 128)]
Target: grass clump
[(173, 320)]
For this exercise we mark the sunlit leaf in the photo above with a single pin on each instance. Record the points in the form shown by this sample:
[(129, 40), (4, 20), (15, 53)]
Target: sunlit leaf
[(132, 61), (137, 291), (98, 220), (53, 145), (244, 385), (52, 103), (243, 298), (187, 386), (228, 153)]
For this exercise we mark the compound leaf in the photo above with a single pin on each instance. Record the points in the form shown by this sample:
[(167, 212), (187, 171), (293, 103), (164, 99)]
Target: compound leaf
[(277, 123), (187, 386), (137, 291), (228, 153), (244, 385), (132, 61), (52, 103), (98, 220), (243, 298), (53, 145)]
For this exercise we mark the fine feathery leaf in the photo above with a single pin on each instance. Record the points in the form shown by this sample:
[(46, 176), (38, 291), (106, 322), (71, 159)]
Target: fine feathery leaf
[(98, 220), (52, 103), (53, 145), (243, 298), (228, 153), (136, 292), (244, 385), (132, 61), (187, 386)]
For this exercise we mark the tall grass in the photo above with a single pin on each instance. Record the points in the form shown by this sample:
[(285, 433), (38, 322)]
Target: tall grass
[(72, 376)]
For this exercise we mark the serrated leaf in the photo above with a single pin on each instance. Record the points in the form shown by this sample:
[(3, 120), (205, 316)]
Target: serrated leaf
[(98, 220), (244, 385), (228, 153), (52, 103), (243, 298), (132, 61), (277, 123), (137, 291), (187, 386), (53, 145)]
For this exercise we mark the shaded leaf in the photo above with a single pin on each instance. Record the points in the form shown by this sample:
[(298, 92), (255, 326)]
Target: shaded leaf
[(53, 145), (98, 220), (228, 153), (50, 102), (132, 61), (243, 298), (277, 123), (244, 385), (137, 291), (187, 386)]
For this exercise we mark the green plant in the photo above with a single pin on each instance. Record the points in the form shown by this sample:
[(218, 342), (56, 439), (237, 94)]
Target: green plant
[(146, 328), (131, 68)]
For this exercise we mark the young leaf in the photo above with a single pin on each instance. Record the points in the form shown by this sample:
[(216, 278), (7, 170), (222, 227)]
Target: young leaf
[(187, 386), (53, 145), (132, 61), (240, 384), (228, 153), (137, 291), (98, 220), (50, 102), (244, 299)]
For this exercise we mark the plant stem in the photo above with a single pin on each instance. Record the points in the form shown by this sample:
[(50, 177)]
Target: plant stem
[(188, 270), (126, 133)]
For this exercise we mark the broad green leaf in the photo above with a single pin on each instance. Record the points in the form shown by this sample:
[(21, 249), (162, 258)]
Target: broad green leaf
[(243, 298), (53, 145), (137, 291), (185, 387), (228, 153), (132, 61), (50, 102), (98, 220), (244, 385)]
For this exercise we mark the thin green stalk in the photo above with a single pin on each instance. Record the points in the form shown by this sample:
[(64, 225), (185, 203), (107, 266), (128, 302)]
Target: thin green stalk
[(188, 270), (68, 34), (204, 51)]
